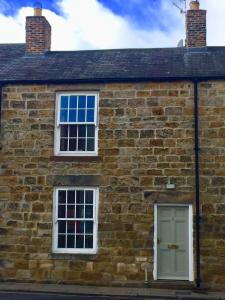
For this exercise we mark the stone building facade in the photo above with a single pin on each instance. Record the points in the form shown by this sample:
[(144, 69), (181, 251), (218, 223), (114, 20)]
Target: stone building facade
[(143, 176)]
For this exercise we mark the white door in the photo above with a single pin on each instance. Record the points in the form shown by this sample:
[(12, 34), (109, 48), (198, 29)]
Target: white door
[(173, 243)]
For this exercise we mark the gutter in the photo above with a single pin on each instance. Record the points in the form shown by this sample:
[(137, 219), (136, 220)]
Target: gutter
[(197, 189), (112, 80), (1, 88)]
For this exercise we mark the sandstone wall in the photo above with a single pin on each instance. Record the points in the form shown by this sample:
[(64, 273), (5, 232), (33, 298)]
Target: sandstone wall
[(146, 135)]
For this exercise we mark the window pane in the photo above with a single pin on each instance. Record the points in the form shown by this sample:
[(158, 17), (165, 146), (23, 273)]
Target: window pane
[(88, 241), (90, 101), (82, 130), (89, 197), (72, 115), (63, 144), (64, 130), (90, 130), (81, 115), (61, 241), (61, 211), (89, 227), (63, 115), (61, 197), (82, 102), (62, 227), (73, 130), (80, 226), (70, 241), (73, 101), (90, 144), (80, 197), (70, 211), (64, 101), (81, 144), (79, 241), (71, 227), (71, 197), (80, 211), (89, 211), (90, 115), (72, 144)]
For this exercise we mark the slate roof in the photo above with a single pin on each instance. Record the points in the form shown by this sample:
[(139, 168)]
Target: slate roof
[(110, 65)]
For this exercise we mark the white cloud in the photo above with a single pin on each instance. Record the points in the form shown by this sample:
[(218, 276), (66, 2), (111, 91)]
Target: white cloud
[(12, 29), (215, 21), (89, 25), (94, 26)]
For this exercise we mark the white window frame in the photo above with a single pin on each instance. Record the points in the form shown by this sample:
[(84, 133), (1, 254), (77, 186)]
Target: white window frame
[(57, 151), (55, 248)]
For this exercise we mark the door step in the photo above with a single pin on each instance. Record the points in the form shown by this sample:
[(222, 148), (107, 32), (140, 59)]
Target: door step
[(172, 284)]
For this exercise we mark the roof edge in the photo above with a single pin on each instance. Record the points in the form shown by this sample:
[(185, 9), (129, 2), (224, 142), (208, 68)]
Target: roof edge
[(112, 80)]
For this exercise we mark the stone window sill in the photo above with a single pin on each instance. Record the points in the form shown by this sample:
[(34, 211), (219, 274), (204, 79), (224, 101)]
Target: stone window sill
[(66, 256), (76, 158)]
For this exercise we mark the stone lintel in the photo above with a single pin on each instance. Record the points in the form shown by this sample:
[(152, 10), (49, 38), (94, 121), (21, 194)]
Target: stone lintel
[(170, 197), (75, 180)]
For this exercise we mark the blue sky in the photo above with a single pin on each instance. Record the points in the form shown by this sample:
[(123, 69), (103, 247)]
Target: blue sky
[(10, 7), (103, 24), (141, 12)]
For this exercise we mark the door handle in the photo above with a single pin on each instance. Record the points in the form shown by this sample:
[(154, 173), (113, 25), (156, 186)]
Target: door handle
[(173, 247)]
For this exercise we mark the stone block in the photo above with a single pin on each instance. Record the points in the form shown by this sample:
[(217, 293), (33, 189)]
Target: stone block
[(147, 133), (23, 274), (173, 111), (126, 143), (17, 104), (217, 181), (37, 207), (159, 93), (30, 180), (157, 111), (143, 93), (136, 102), (132, 133), (124, 94)]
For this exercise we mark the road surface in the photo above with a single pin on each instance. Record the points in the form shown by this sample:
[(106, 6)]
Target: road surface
[(40, 296)]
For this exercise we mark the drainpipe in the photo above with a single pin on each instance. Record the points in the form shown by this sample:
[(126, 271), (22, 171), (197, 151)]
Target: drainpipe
[(1, 90), (1, 86), (197, 192)]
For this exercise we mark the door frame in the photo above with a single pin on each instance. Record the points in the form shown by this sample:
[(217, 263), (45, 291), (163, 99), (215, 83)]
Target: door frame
[(190, 226)]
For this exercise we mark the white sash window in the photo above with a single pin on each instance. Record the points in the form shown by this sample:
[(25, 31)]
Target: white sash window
[(76, 131)]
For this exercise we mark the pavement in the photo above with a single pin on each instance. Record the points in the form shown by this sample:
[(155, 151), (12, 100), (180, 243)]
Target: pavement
[(129, 292)]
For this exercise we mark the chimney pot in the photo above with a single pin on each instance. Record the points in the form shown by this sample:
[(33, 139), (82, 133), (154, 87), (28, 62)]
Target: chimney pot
[(194, 5), (37, 9)]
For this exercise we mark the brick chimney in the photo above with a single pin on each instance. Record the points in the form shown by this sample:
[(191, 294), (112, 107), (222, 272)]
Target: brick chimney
[(38, 32), (195, 26)]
